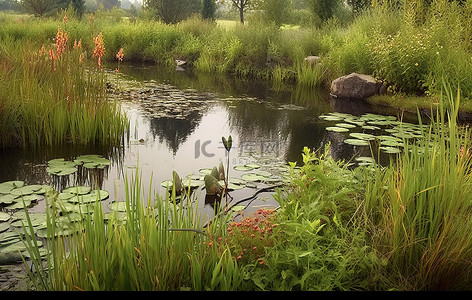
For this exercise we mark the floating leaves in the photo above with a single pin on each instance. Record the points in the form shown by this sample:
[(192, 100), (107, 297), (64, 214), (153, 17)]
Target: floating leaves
[(361, 130), (62, 167)]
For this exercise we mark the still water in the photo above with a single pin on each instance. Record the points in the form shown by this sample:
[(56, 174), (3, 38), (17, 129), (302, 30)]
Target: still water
[(177, 120)]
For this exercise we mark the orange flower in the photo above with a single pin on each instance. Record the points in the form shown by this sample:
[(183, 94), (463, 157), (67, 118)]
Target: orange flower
[(61, 41), (64, 19), (99, 49), (52, 55), (43, 50), (120, 55)]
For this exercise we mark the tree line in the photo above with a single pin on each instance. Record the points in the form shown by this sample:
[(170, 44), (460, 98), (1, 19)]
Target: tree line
[(174, 11)]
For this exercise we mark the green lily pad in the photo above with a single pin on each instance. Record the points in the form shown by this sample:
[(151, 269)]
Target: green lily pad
[(253, 177), (6, 187), (7, 199), (346, 125), (337, 129), (61, 167), (26, 190), (390, 150), (362, 136), (19, 205), (356, 142), (4, 216), (243, 168), (365, 159), (92, 161), (4, 226), (117, 206), (77, 190)]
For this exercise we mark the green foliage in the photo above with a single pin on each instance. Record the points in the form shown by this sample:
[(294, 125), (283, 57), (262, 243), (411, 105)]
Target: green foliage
[(173, 11), (318, 243), (208, 9), (421, 207)]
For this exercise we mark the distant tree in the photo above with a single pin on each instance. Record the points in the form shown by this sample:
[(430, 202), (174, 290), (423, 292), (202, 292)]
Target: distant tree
[(358, 6), (276, 11), (324, 9), (109, 4), (77, 5), (8, 5), (208, 9), (242, 6), (173, 11), (38, 7)]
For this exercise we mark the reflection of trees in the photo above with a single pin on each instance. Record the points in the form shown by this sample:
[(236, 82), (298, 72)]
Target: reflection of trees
[(174, 131)]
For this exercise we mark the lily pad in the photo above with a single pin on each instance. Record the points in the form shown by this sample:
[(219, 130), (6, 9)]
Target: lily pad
[(337, 129), (356, 142), (390, 150), (7, 199), (253, 177), (92, 161), (26, 190), (6, 187), (362, 136), (4, 216), (346, 125), (117, 206), (243, 168), (61, 167), (77, 190)]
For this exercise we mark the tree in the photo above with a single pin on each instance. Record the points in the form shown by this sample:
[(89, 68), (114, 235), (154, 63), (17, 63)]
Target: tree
[(276, 11), (173, 11), (208, 9), (38, 7), (324, 9), (109, 4), (359, 5)]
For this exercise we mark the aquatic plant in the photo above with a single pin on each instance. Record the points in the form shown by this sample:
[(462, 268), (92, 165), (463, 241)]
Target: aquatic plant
[(161, 246), (420, 207)]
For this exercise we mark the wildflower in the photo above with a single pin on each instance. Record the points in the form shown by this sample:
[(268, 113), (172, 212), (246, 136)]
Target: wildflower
[(43, 50), (416, 64), (99, 49), (61, 41), (52, 54), (64, 19), (119, 55)]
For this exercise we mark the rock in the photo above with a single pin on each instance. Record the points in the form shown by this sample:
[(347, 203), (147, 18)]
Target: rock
[(312, 60), (356, 86), (180, 63)]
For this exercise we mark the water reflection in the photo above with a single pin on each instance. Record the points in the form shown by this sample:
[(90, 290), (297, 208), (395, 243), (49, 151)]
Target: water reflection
[(177, 120)]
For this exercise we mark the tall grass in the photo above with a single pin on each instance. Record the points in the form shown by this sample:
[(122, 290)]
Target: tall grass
[(158, 245), (46, 101), (421, 207)]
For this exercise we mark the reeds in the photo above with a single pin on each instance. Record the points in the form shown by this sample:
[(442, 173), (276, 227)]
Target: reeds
[(422, 206), (157, 244), (52, 98)]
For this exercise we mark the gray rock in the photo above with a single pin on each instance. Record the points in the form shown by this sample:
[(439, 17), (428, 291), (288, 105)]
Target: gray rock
[(355, 86), (312, 60)]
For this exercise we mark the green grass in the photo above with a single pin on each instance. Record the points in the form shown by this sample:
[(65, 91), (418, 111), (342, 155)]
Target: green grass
[(47, 102)]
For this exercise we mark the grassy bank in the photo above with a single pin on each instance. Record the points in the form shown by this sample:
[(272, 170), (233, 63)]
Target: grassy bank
[(409, 49), (52, 94)]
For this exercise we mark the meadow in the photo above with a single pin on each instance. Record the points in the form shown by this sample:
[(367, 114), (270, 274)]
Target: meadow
[(403, 226)]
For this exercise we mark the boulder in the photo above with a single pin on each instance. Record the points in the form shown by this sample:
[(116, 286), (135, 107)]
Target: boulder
[(355, 86), (312, 60)]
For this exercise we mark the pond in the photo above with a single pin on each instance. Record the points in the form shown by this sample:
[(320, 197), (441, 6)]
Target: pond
[(177, 121)]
